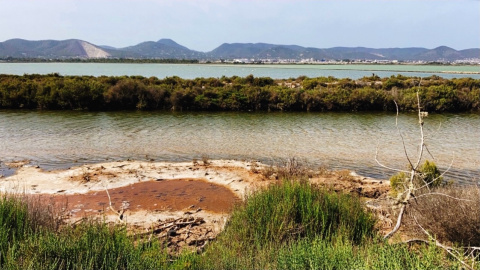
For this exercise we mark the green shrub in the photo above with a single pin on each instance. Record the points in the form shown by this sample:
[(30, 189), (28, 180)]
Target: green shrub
[(397, 183), (430, 174), (54, 91), (427, 175), (14, 225), (282, 214), (29, 240)]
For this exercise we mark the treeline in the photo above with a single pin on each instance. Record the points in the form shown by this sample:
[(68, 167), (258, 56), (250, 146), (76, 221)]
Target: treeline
[(249, 93)]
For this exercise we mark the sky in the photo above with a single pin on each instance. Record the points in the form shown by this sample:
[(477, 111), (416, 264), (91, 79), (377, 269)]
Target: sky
[(203, 25)]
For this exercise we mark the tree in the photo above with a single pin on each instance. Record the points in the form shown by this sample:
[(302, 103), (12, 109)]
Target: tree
[(419, 177)]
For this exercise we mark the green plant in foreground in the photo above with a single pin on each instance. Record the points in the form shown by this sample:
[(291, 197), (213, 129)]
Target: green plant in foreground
[(14, 225), (289, 225), (295, 225), (27, 243), (427, 175), (287, 212)]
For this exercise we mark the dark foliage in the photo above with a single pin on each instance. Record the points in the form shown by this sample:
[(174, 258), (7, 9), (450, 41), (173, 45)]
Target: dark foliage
[(251, 93)]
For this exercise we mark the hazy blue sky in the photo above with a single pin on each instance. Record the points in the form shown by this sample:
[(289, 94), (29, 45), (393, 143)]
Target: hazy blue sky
[(204, 25)]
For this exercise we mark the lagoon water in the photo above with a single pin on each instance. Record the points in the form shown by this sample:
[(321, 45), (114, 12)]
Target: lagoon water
[(190, 71), (61, 139)]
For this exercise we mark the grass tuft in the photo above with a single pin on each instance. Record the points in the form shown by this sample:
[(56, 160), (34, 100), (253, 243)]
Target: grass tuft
[(287, 212), (289, 225)]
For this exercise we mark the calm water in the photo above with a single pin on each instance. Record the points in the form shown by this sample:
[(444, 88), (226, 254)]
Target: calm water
[(337, 140), (204, 70)]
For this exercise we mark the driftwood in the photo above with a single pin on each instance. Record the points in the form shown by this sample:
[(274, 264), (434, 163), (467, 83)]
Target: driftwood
[(185, 233), (178, 223), (118, 212)]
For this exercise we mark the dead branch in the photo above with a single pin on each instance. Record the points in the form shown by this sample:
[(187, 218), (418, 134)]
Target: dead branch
[(410, 190), (120, 212), (384, 166), (443, 194), (448, 249), (401, 136)]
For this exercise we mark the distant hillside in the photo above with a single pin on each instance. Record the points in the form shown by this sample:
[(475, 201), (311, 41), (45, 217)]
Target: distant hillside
[(169, 49), (72, 48), (163, 49), (263, 51)]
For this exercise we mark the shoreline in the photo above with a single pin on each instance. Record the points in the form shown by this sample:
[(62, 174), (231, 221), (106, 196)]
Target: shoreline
[(240, 177), (236, 176), (113, 192)]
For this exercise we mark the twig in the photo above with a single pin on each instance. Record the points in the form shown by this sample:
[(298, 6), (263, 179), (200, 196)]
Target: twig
[(442, 194), (397, 225), (401, 136), (440, 245), (119, 213), (384, 166)]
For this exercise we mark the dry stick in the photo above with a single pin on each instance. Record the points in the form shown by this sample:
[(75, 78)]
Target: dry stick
[(401, 136), (385, 166), (404, 148), (413, 172), (436, 178), (411, 188), (443, 194), (446, 248), (119, 213)]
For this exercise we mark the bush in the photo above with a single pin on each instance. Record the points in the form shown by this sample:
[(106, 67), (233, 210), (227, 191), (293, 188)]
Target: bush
[(430, 174), (235, 94), (452, 217), (30, 238), (282, 214), (427, 175)]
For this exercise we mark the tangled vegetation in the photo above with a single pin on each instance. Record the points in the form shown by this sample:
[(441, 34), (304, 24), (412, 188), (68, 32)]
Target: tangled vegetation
[(290, 225), (56, 92), (428, 176)]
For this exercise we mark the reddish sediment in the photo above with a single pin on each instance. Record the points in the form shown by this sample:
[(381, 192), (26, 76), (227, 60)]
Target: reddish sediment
[(163, 195)]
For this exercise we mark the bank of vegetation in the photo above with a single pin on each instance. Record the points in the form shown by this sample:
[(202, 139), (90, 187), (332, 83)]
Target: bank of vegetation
[(56, 92), (289, 225)]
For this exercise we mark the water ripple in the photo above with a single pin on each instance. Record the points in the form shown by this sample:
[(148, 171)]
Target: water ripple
[(338, 140)]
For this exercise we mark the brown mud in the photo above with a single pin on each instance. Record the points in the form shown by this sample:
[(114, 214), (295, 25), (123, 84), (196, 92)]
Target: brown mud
[(185, 204), (163, 195)]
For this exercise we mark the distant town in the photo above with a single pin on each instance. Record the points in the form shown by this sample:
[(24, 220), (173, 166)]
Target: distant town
[(168, 51), (471, 61)]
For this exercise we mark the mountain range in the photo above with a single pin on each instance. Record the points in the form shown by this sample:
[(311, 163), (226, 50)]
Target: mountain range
[(169, 49)]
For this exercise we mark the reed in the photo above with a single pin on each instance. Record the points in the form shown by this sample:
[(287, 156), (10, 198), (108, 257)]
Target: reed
[(289, 225)]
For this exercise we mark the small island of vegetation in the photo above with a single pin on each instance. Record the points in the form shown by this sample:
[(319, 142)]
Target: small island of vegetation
[(56, 92)]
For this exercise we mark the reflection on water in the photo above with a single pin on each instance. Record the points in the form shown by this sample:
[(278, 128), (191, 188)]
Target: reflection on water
[(338, 140)]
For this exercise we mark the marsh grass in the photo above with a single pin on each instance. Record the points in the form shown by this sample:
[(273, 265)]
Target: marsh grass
[(287, 212), (289, 225), (294, 225), (31, 238), (291, 168), (342, 254)]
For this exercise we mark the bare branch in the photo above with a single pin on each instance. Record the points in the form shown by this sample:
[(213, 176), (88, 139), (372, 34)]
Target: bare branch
[(397, 225), (428, 151), (384, 166), (442, 194), (440, 245), (119, 213), (440, 176), (422, 136), (401, 136)]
